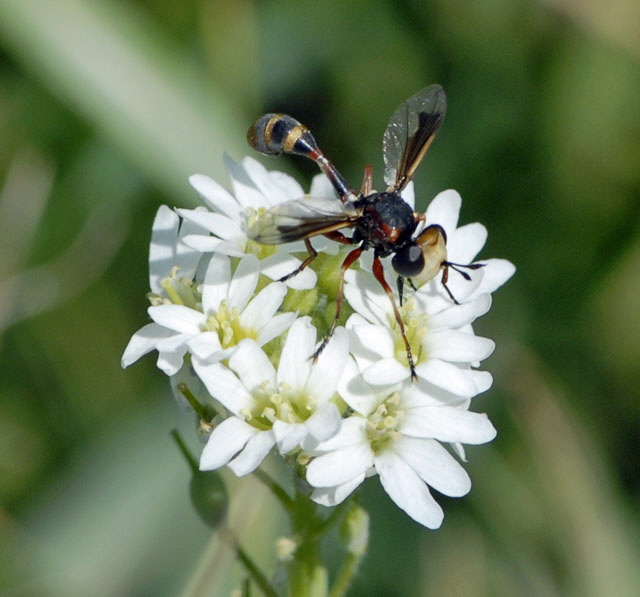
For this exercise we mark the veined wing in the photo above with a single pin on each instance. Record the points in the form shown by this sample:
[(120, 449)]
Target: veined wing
[(410, 132), (302, 218)]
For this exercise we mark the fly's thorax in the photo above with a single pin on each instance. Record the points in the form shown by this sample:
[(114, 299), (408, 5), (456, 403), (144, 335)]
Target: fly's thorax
[(387, 222)]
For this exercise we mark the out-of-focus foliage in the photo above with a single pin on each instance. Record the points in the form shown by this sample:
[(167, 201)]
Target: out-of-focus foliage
[(106, 107)]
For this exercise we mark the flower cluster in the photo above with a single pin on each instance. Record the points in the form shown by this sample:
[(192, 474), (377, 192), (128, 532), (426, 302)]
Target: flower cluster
[(219, 311)]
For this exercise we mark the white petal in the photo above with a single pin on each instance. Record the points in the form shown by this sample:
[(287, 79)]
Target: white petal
[(177, 317), (447, 376), (252, 365), (170, 362), (465, 243), (173, 342), (332, 496), (144, 341), (322, 187), (256, 187), (351, 432), (263, 306), (448, 424), (215, 196), (223, 385), (458, 315), (225, 441), (327, 370), (496, 273), (251, 457), (204, 345), (277, 325), (288, 435), (219, 225), (355, 391), (458, 450), (409, 195), (434, 465), (261, 180), (164, 234), (374, 341), (216, 283), (340, 466), (295, 364), (188, 258), (286, 185), (366, 296), (407, 490), (244, 188), (203, 243), (482, 379), (244, 282), (430, 298), (385, 372), (454, 346), (325, 422), (444, 210)]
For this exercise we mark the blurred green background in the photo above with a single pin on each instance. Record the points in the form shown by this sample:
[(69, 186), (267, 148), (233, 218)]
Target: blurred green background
[(107, 106)]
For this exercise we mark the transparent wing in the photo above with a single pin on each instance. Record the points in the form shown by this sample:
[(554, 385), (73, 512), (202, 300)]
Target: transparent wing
[(302, 218), (410, 132)]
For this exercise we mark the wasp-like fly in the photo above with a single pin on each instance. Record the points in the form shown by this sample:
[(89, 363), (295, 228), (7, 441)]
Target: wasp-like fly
[(382, 221)]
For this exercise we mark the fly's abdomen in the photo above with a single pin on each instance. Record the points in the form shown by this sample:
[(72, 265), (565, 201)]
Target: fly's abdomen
[(273, 134)]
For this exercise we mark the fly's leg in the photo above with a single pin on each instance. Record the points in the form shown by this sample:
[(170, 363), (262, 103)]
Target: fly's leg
[(350, 259), (456, 267), (367, 181), (312, 255), (378, 272)]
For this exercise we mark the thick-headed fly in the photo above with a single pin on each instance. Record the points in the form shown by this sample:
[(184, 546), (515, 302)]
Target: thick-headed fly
[(382, 221)]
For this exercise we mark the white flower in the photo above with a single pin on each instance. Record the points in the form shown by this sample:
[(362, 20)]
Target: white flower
[(284, 406), (227, 315), (444, 347), (254, 189), (463, 245), (397, 432), (169, 256)]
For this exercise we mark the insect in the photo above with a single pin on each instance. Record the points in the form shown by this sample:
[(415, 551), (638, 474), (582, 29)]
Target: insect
[(381, 221)]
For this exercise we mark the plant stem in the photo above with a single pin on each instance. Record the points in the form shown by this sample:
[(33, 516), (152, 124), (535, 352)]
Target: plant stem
[(346, 575), (250, 566), (193, 465)]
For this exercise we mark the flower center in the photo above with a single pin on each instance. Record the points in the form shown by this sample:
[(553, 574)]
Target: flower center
[(255, 248), (179, 291), (416, 326), (382, 424), (281, 403), (226, 322)]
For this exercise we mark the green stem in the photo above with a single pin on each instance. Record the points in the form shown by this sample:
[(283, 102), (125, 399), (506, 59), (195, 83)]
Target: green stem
[(346, 575), (250, 566), (193, 465), (307, 575), (337, 512), (200, 410)]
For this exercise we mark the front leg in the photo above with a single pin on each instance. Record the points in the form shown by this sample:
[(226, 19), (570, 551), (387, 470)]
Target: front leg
[(378, 272), (312, 255)]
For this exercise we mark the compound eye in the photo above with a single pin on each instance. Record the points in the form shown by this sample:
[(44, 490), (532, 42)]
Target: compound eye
[(408, 261)]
